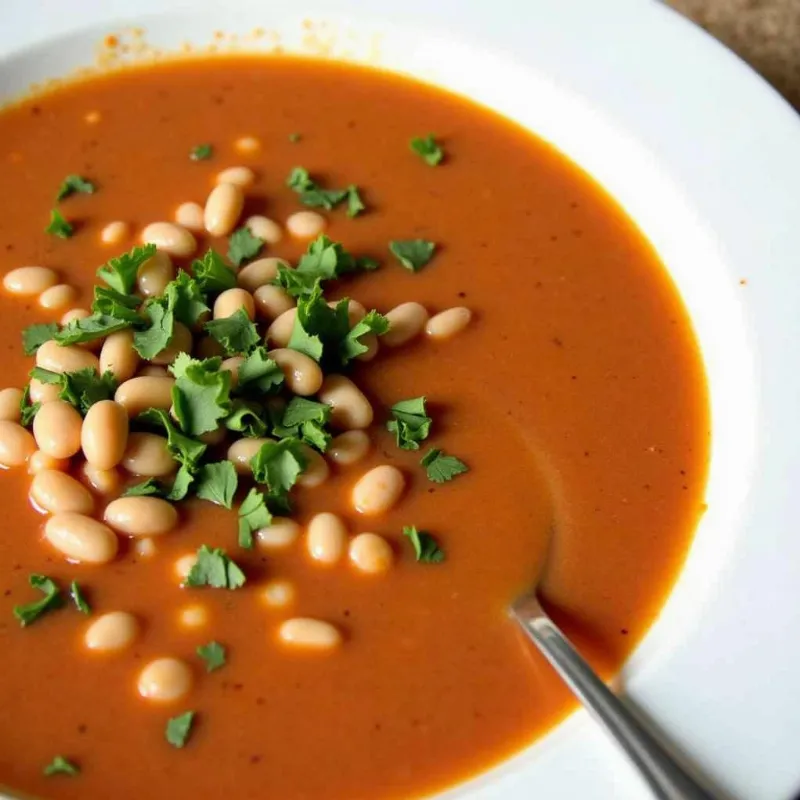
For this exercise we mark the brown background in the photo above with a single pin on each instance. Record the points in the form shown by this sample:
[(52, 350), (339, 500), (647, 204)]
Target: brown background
[(765, 33)]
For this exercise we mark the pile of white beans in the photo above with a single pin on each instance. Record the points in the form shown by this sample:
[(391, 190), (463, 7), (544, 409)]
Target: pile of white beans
[(79, 465)]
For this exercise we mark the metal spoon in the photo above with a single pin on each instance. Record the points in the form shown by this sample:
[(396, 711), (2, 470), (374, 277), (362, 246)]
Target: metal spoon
[(667, 779)]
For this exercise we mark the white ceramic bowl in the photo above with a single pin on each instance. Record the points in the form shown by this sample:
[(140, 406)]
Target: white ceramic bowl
[(706, 158)]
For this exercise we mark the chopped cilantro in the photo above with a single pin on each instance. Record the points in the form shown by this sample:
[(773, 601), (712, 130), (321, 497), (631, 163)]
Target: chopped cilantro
[(319, 329), (120, 272), (74, 184), (201, 394), (82, 388), (27, 410), (413, 254), (189, 304), (253, 515), (78, 598), (426, 548), (28, 614), (278, 465), (213, 654), (179, 729), (201, 152), (427, 149), (411, 424), (184, 450), (58, 225), (355, 205), (184, 478), (259, 374), (305, 419), (215, 569), (217, 483), (352, 346), (150, 487), (237, 333), (212, 274), (311, 193), (90, 328), (34, 336), (61, 766), (114, 304), (441, 467), (243, 246), (160, 313), (246, 418)]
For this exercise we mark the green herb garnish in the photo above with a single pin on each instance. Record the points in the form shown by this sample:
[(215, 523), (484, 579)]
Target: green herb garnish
[(82, 388), (34, 336), (78, 598), (212, 274), (179, 729), (215, 569), (74, 184), (201, 152), (413, 254), (411, 424), (237, 333), (201, 395), (213, 654), (217, 482), (427, 149), (30, 612), (61, 766), (426, 549), (243, 246), (441, 467), (120, 272), (58, 225), (253, 515)]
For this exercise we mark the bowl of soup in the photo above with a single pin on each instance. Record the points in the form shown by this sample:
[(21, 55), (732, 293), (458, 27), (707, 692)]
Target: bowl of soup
[(318, 354)]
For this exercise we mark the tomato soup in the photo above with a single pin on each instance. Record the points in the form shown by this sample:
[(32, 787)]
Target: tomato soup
[(261, 541)]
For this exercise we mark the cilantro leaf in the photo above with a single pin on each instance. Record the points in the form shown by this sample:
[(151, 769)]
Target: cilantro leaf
[(74, 184), (114, 304), (90, 328), (318, 328), (155, 338), (411, 424), (426, 548), (77, 597), (213, 654), (184, 450), (82, 388), (427, 149), (246, 418), (61, 766), (58, 225), (253, 515), (120, 272), (355, 205), (189, 304), (184, 478), (212, 274), (243, 246), (27, 410), (217, 483), (305, 419), (441, 467), (236, 333), (311, 193), (179, 729), (150, 487), (215, 569), (413, 254), (352, 346), (34, 336), (258, 373), (201, 152), (278, 465), (201, 394), (28, 614)]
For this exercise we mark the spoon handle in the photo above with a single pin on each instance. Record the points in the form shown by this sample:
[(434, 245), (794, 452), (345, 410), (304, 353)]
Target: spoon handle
[(665, 777)]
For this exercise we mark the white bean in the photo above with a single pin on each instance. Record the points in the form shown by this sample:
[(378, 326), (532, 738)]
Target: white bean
[(281, 533), (238, 176), (349, 406), (111, 632), (190, 216), (279, 594), (104, 434), (370, 553), (307, 633), (115, 232), (39, 461), (73, 314), (165, 680), (271, 302), (171, 238), (80, 538), (264, 228), (155, 274), (54, 492), (223, 207), (259, 273), (316, 471), (242, 451), (27, 281), (57, 429), (141, 516), (231, 300), (301, 373), (43, 392), (305, 224), (144, 547), (118, 356), (57, 297), (143, 392), (405, 322), (147, 454), (247, 144), (10, 400), (103, 481), (326, 539), (448, 323), (208, 347), (54, 357), (194, 616), (280, 331), (16, 444), (184, 564), (348, 447), (378, 490)]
